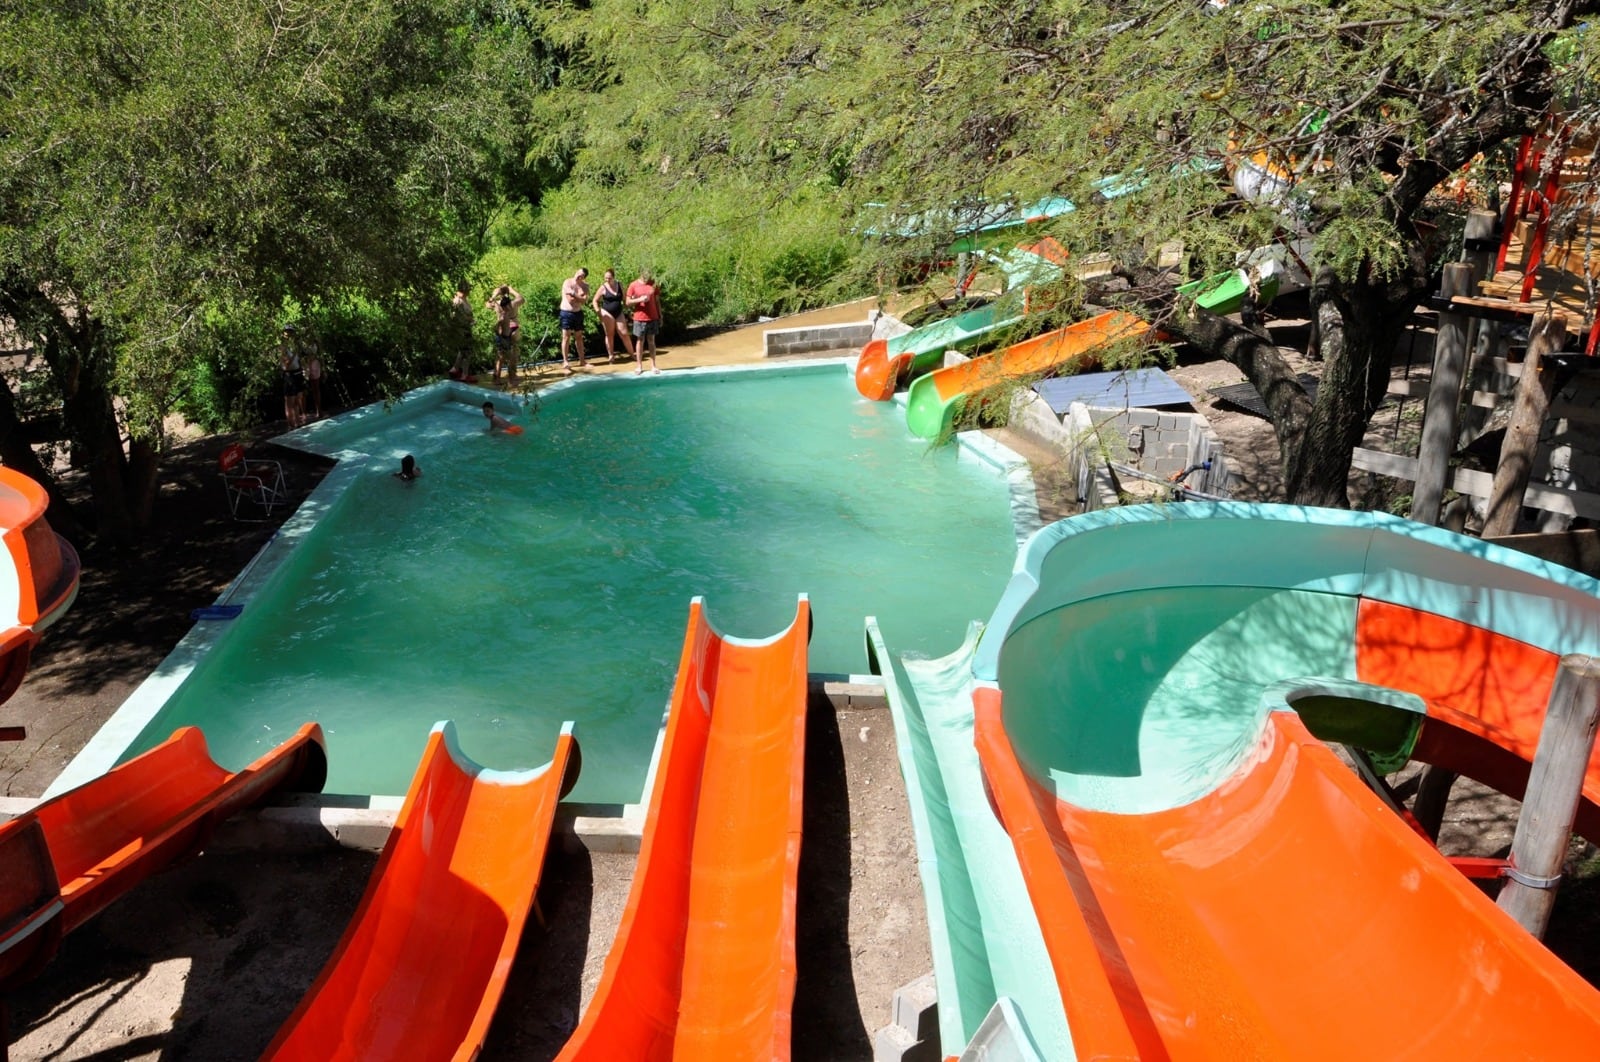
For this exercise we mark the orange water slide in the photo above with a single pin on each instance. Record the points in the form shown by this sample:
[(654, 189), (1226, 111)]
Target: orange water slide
[(934, 399), (1286, 914), (424, 961), (703, 963), (1054, 349), (78, 852), (41, 581)]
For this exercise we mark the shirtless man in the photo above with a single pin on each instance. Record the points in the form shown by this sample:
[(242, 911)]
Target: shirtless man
[(574, 294), (504, 304)]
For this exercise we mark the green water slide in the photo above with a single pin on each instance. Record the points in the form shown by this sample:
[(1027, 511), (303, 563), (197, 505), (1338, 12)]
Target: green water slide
[(883, 363), (987, 946)]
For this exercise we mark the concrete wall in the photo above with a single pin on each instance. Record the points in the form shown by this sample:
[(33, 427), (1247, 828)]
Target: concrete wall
[(820, 339), (1155, 442), (1097, 486), (816, 339)]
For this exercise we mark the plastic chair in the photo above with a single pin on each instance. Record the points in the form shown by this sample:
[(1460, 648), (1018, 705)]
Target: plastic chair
[(252, 482)]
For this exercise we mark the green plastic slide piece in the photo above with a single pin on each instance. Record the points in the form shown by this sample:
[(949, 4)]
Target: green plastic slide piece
[(927, 344), (986, 939)]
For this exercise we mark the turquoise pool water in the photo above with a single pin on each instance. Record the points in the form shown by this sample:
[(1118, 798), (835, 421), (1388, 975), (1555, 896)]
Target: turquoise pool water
[(524, 580)]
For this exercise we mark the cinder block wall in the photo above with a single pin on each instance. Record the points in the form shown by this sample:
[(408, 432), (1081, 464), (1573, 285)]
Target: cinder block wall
[(816, 339)]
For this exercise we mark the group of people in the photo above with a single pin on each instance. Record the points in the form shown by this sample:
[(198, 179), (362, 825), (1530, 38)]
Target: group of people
[(300, 362), (639, 306), (631, 316)]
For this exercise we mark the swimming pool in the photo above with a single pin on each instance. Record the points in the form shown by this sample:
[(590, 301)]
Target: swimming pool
[(524, 580)]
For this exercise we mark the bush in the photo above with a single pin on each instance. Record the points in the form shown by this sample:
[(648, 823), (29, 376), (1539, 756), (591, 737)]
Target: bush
[(721, 256)]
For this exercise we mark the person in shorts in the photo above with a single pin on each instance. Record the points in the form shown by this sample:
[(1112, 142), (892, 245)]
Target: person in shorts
[(504, 303), (292, 367), (644, 299), (574, 295)]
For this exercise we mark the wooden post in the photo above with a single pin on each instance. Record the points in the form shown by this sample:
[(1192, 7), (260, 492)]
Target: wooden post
[(1444, 398), (1534, 391), (1544, 829), (1478, 246)]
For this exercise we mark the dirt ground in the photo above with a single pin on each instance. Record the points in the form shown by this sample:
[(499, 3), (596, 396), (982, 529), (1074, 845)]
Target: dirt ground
[(207, 960)]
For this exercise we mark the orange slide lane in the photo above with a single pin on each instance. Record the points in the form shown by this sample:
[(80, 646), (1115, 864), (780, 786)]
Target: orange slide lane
[(1040, 354), (703, 963), (44, 585), (1287, 914), (934, 400), (424, 961), (87, 847)]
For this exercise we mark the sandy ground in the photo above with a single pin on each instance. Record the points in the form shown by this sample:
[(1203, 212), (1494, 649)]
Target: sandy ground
[(206, 960)]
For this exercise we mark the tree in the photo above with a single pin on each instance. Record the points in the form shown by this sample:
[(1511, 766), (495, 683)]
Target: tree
[(177, 172), (907, 107)]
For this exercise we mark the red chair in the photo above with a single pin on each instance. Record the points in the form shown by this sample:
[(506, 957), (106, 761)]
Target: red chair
[(256, 484)]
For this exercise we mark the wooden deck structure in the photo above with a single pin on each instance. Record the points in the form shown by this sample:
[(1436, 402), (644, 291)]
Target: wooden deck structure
[(1547, 253)]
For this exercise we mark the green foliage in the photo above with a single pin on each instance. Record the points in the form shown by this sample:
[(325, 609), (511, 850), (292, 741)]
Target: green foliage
[(720, 254), (908, 115), (174, 174)]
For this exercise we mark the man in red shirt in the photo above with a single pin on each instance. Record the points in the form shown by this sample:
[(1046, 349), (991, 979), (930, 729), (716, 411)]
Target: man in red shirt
[(644, 299)]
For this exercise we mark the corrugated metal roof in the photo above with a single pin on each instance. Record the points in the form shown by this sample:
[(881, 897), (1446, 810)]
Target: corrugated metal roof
[(1246, 397), (1149, 388)]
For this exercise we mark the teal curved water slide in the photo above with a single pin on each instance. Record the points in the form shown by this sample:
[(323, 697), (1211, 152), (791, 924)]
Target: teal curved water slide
[(997, 990)]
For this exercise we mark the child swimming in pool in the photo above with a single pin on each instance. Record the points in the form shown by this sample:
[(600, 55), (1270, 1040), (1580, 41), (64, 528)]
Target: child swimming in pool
[(497, 422), (408, 469)]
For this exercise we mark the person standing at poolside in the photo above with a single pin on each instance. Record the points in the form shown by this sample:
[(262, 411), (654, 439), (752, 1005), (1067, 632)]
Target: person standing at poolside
[(293, 369), (608, 305), (504, 303), (644, 299), (461, 334), (574, 294), (313, 362)]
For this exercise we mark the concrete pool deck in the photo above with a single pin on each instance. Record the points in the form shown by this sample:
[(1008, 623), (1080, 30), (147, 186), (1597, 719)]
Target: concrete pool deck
[(207, 959), (734, 346)]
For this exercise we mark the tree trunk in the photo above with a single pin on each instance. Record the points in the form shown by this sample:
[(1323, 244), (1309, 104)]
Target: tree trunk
[(17, 453), (1355, 349), (92, 419), (144, 477), (73, 352)]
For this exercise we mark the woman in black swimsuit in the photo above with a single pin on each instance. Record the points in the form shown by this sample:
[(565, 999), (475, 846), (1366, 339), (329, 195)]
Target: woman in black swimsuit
[(608, 304)]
